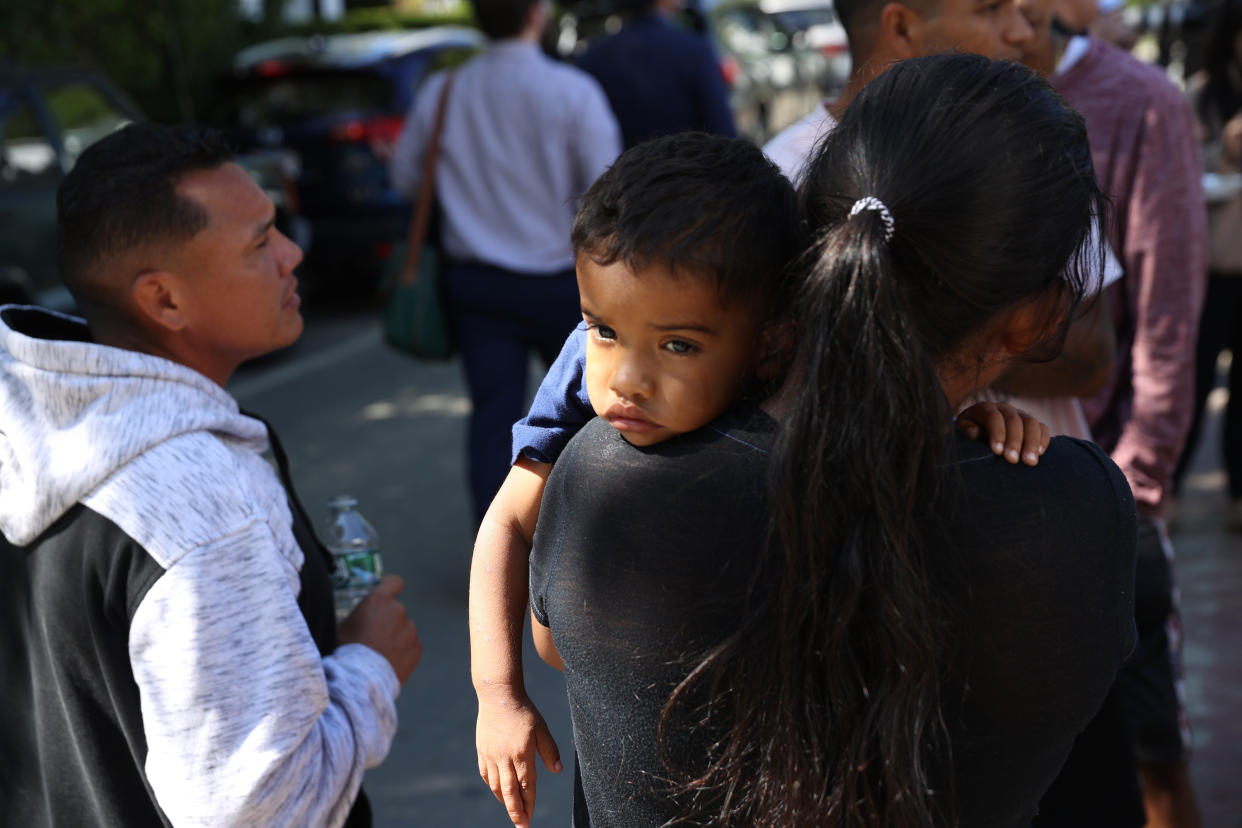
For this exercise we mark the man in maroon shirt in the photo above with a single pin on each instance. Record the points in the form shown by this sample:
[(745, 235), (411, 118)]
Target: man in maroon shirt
[(1147, 160)]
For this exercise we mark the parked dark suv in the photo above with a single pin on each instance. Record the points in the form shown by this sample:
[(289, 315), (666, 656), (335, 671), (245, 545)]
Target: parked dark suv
[(339, 102), (47, 117)]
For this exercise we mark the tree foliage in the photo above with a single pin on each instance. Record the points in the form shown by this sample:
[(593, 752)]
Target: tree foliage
[(164, 53), (168, 54)]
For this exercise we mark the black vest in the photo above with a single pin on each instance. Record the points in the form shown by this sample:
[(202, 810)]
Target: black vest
[(72, 745)]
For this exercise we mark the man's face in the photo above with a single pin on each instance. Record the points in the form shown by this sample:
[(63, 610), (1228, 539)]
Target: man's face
[(992, 28), (1038, 53), (236, 275)]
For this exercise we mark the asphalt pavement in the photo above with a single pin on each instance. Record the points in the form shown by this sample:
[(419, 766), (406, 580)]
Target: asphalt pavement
[(361, 419), (1208, 568)]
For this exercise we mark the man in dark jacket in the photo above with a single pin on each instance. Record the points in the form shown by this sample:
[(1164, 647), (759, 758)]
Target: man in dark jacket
[(660, 79)]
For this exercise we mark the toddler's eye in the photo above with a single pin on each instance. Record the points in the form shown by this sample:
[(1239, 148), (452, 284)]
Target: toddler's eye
[(680, 346), (603, 332)]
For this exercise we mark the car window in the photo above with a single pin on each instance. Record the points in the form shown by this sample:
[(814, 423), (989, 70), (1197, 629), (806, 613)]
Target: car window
[(26, 155), (83, 114)]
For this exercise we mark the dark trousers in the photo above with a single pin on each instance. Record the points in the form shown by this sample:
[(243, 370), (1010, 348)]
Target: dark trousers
[(1220, 327), (498, 318)]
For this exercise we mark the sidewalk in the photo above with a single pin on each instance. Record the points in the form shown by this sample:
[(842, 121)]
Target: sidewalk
[(1209, 572)]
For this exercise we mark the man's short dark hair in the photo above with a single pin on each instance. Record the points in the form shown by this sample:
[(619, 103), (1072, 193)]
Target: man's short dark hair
[(860, 18), (701, 205), (501, 19), (123, 193)]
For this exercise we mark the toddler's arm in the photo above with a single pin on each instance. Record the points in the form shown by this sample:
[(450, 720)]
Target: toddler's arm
[(510, 730)]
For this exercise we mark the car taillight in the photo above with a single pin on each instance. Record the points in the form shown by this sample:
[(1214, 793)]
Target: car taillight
[(383, 130), (271, 69), (729, 69)]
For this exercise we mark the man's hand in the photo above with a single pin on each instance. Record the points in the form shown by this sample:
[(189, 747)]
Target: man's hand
[(509, 733), (1011, 432), (380, 622)]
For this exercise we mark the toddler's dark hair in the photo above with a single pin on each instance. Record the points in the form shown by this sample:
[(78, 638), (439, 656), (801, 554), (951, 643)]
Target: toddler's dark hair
[(702, 205)]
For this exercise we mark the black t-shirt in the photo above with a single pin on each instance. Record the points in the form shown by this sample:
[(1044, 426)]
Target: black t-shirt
[(643, 557)]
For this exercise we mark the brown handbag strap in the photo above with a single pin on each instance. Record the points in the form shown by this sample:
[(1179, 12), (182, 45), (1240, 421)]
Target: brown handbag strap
[(426, 192)]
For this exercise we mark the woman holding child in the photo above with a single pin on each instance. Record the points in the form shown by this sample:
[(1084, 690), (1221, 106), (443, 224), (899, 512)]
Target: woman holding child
[(856, 617)]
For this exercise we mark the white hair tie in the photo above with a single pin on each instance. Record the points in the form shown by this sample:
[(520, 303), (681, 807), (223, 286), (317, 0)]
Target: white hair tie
[(873, 203)]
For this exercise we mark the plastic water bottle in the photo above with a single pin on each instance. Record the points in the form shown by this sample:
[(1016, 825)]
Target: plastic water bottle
[(354, 545)]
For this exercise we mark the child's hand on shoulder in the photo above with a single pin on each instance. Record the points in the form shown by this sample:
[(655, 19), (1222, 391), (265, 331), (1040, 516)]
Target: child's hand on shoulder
[(1010, 432)]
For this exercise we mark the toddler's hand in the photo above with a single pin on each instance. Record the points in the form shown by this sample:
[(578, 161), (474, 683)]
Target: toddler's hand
[(509, 733), (1011, 432)]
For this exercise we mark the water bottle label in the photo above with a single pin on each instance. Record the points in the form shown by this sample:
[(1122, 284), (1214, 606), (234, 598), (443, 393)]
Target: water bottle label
[(359, 567)]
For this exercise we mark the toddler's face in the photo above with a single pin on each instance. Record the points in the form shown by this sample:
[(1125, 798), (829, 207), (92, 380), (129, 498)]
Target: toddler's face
[(664, 357)]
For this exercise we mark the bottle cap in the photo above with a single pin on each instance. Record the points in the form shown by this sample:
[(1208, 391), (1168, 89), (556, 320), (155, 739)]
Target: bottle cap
[(343, 501)]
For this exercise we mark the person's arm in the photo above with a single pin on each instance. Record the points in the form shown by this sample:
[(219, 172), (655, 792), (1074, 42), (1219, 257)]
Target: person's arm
[(593, 134), (1166, 275), (510, 730), (1084, 365), (245, 722), (406, 166)]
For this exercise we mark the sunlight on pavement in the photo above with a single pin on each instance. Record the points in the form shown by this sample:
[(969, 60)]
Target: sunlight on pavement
[(450, 405)]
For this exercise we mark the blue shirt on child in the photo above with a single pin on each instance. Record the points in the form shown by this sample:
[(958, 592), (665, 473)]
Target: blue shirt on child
[(561, 405)]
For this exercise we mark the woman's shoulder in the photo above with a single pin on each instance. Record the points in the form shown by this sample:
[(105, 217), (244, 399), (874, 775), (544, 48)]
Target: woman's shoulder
[(723, 462), (1078, 466), (742, 434), (1076, 497), (1068, 470)]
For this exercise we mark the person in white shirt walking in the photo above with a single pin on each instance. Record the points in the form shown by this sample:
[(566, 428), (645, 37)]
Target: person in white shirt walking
[(523, 137)]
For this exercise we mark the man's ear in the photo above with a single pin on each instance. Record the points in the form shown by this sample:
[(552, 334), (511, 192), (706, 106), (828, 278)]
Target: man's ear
[(158, 298), (900, 34), (776, 347)]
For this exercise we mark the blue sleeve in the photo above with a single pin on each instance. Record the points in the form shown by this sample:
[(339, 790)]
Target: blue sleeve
[(561, 406)]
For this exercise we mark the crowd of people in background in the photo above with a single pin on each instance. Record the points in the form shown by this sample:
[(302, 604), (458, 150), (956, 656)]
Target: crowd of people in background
[(755, 510)]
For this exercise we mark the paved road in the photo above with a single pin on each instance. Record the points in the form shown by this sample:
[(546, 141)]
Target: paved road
[(361, 419), (1209, 572)]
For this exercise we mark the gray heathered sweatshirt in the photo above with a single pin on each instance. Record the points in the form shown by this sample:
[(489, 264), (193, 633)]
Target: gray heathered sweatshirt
[(242, 720)]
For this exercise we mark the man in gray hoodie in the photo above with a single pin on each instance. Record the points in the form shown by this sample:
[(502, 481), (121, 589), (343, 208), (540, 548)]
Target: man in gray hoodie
[(167, 637)]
